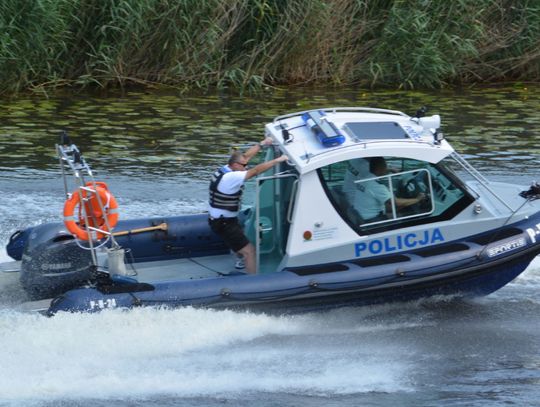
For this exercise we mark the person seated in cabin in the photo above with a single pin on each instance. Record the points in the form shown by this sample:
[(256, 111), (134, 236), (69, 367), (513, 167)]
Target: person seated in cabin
[(226, 187), (373, 197), (357, 169)]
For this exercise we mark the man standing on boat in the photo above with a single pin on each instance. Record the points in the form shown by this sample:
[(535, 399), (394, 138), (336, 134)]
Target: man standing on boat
[(226, 187)]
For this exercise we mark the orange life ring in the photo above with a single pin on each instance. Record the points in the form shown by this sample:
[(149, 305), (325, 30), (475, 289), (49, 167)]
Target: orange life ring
[(96, 217)]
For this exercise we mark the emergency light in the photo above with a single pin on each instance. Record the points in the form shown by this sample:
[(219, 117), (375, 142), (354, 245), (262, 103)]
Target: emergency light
[(327, 132)]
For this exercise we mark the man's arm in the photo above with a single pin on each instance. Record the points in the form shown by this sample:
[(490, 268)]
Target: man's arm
[(253, 150), (252, 172), (404, 202)]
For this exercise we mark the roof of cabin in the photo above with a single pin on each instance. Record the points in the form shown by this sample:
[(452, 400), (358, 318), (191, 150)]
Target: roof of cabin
[(366, 132)]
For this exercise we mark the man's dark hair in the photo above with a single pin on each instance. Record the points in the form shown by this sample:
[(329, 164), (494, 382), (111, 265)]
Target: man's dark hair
[(376, 163)]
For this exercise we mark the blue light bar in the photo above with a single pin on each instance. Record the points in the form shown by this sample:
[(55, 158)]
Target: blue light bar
[(327, 132)]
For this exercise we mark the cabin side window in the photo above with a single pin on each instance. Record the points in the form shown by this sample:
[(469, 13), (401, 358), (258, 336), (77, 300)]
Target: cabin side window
[(382, 193)]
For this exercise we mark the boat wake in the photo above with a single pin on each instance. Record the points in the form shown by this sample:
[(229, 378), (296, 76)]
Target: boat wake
[(191, 353), (150, 353)]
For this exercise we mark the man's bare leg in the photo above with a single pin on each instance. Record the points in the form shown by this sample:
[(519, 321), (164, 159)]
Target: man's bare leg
[(248, 252)]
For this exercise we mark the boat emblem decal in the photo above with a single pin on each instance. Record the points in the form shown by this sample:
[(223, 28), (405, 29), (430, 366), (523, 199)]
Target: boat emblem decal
[(320, 234), (399, 242), (506, 247)]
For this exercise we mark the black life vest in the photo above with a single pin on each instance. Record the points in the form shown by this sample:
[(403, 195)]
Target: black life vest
[(220, 200)]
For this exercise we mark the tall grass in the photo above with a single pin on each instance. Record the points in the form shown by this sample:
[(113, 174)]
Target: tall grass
[(244, 44)]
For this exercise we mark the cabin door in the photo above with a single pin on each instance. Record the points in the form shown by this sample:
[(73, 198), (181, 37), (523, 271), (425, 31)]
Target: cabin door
[(274, 205)]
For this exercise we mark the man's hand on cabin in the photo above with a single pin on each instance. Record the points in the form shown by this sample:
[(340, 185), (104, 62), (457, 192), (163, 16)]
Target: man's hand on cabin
[(266, 142)]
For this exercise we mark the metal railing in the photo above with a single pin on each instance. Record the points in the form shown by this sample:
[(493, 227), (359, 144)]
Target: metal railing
[(70, 158), (343, 109), (483, 181)]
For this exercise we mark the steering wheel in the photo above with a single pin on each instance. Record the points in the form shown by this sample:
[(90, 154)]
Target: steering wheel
[(412, 186)]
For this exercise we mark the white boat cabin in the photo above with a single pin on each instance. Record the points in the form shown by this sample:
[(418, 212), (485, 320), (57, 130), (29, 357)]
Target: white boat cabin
[(319, 208)]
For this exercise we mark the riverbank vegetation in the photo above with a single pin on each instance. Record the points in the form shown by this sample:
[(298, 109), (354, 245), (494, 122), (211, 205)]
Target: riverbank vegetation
[(246, 44)]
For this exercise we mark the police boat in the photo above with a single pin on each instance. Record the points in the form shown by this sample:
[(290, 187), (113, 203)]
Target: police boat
[(372, 206)]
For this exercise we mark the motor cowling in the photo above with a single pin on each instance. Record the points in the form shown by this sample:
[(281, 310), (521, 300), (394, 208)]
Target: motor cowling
[(53, 263)]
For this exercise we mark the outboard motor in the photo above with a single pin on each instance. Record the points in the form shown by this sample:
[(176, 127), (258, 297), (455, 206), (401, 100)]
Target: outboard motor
[(52, 262)]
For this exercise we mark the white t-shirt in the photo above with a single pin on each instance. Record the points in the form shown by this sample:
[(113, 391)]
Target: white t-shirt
[(370, 199), (357, 168), (230, 183)]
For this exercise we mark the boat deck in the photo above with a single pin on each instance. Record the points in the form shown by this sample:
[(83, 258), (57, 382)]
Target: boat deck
[(187, 268), (147, 272)]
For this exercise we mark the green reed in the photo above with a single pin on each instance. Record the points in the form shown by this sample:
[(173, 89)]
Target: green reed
[(245, 44)]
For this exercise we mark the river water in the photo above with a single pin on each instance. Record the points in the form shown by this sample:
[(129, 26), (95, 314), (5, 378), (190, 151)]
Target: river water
[(155, 151)]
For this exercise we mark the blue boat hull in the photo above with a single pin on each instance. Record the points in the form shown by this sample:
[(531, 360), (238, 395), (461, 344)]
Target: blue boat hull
[(286, 292), (474, 266)]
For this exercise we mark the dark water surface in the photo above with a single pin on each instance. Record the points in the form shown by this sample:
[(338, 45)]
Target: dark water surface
[(156, 150)]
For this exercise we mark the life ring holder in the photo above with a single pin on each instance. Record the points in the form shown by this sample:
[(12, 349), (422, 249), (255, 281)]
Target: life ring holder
[(97, 209)]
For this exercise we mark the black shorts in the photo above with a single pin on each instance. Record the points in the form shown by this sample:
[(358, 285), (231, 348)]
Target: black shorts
[(230, 231)]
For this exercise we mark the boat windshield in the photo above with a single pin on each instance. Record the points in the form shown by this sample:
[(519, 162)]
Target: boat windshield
[(384, 193)]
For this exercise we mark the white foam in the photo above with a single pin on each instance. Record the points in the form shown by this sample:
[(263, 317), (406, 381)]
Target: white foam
[(187, 352), (21, 210)]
